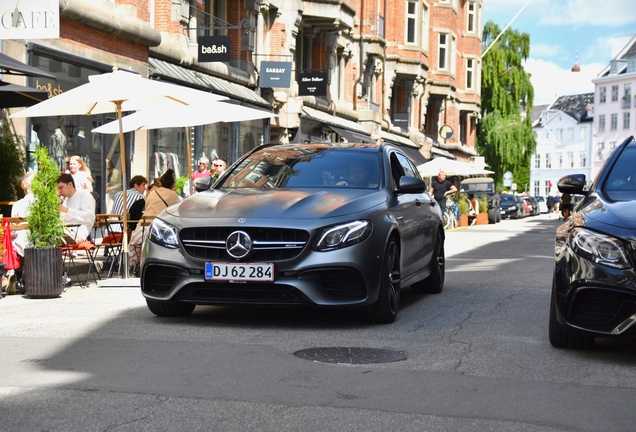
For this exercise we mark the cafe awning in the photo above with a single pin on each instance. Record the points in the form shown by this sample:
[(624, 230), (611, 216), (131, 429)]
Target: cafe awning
[(11, 66)]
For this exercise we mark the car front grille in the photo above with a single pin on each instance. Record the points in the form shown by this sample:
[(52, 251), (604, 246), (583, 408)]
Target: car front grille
[(339, 283), (233, 293), (269, 244)]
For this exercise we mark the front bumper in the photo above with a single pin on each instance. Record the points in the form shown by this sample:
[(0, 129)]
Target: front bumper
[(344, 277)]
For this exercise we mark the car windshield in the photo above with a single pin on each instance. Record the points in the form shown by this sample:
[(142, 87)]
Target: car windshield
[(620, 184), (507, 199), (309, 166), (540, 199)]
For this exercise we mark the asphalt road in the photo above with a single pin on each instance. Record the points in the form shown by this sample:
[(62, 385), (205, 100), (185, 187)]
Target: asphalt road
[(478, 358)]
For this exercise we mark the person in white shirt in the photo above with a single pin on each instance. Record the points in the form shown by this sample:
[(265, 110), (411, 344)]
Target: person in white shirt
[(21, 209), (78, 207)]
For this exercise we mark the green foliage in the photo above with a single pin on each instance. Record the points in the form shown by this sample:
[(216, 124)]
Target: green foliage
[(11, 163), (462, 204), (505, 133), (180, 182), (46, 227)]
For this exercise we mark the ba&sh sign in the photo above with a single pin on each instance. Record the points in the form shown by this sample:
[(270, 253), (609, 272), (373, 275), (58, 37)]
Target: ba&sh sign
[(214, 49)]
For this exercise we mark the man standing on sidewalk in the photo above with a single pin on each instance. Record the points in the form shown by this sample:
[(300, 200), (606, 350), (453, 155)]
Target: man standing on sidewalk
[(440, 188)]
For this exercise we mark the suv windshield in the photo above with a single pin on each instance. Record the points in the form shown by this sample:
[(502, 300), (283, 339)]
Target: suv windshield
[(320, 166), (621, 181)]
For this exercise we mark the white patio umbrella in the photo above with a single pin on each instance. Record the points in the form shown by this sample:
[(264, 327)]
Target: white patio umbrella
[(119, 91), (450, 167), (185, 116)]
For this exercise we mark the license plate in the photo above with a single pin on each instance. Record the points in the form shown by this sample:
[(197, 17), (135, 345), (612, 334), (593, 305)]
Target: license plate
[(259, 272), (503, 212)]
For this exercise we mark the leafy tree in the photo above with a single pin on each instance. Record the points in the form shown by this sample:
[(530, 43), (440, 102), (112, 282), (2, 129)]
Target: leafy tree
[(504, 135), (11, 162)]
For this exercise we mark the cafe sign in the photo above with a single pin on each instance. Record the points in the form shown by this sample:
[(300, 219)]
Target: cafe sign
[(275, 74), (312, 83), (32, 19), (214, 49)]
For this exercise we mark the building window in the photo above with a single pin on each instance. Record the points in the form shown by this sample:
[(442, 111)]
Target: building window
[(614, 122), (471, 17), (548, 160), (537, 161), (560, 135), (424, 27), (582, 133), (626, 120), (571, 134), (612, 146), (601, 122), (547, 134), (571, 159), (627, 96), (411, 22), (582, 160), (560, 160), (446, 47), (546, 187), (602, 94), (600, 150), (536, 188), (614, 93), (470, 74)]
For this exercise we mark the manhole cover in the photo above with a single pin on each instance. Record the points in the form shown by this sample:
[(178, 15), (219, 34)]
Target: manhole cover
[(346, 355)]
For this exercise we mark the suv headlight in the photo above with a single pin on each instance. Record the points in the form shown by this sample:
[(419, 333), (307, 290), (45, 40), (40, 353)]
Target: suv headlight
[(163, 234), (600, 248), (344, 235)]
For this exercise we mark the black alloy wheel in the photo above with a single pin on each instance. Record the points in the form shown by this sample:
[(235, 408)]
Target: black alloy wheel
[(434, 283), (386, 308)]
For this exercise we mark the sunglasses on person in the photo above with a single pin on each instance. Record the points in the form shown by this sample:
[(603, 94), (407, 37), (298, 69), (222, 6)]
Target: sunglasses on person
[(217, 165)]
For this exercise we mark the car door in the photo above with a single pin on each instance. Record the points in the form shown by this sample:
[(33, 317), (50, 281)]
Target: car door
[(420, 219)]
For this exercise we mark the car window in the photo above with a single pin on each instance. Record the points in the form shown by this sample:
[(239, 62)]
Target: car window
[(620, 184), (507, 199), (407, 166), (307, 168)]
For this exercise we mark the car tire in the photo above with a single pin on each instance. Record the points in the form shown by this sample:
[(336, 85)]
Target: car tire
[(164, 309), (492, 216), (386, 308), (434, 283), (559, 336)]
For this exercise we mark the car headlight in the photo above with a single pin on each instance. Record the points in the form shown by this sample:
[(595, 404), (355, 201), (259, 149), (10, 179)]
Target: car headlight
[(600, 248), (512, 208), (163, 234), (344, 235)]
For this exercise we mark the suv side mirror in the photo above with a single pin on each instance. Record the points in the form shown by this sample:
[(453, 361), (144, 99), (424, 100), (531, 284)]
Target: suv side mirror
[(203, 183), (572, 184)]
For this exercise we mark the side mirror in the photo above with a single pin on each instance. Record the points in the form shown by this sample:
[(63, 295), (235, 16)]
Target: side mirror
[(572, 184), (411, 185), (203, 183)]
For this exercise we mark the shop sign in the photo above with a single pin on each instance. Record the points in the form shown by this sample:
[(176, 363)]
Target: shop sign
[(275, 74), (214, 49), (33, 19), (401, 120), (312, 83)]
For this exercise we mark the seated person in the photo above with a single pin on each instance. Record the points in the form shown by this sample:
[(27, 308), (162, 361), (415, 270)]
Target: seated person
[(20, 209), (134, 201), (358, 176), (78, 208)]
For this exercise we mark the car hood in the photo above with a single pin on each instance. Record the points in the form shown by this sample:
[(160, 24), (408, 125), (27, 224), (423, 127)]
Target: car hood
[(618, 214), (276, 203)]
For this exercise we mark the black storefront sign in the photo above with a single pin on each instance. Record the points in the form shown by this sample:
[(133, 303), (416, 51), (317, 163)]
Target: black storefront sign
[(275, 74), (214, 49), (312, 83), (401, 120)]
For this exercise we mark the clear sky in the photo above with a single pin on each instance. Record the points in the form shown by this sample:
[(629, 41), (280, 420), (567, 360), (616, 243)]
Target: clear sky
[(565, 32)]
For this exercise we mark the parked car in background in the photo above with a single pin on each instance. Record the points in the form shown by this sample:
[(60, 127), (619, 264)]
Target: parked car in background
[(512, 206), (533, 208), (542, 203), (484, 186), (594, 282), (329, 225)]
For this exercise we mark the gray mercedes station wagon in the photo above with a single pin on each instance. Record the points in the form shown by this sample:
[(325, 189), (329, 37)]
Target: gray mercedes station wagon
[(329, 225)]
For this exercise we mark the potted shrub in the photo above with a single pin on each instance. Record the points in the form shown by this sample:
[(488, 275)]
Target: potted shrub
[(464, 208), (43, 261), (482, 216)]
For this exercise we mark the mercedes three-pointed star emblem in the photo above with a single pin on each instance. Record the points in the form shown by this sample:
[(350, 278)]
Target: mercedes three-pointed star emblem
[(238, 244)]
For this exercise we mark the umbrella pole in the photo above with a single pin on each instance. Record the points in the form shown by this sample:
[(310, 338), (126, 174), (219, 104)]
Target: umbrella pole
[(122, 151), (188, 159)]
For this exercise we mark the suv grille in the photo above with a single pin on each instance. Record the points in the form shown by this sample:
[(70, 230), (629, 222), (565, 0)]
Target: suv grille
[(269, 244)]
